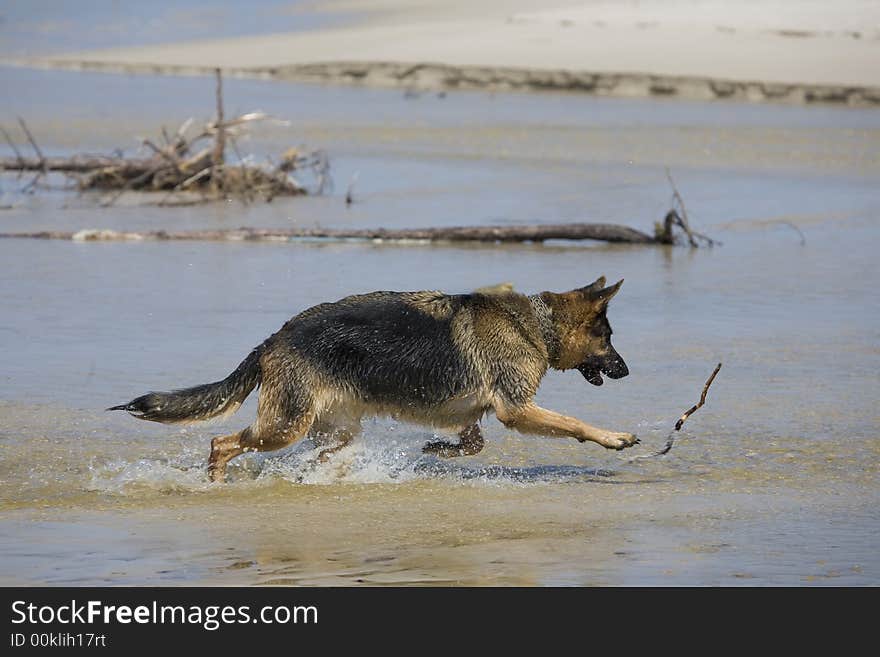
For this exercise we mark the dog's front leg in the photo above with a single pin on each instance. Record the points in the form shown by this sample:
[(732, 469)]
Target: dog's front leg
[(533, 419)]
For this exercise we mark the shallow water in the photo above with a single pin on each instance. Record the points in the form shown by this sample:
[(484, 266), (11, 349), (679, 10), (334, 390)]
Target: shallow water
[(774, 481)]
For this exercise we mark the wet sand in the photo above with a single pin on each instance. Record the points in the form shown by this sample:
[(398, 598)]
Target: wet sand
[(774, 481)]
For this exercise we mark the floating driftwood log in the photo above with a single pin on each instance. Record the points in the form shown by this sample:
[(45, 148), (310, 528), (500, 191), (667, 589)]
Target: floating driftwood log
[(664, 234), (183, 163)]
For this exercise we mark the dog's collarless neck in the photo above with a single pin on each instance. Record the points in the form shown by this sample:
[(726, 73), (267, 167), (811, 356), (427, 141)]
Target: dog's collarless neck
[(544, 315)]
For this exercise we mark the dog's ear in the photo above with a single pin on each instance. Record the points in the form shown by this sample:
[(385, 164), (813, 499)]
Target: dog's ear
[(601, 297), (593, 287)]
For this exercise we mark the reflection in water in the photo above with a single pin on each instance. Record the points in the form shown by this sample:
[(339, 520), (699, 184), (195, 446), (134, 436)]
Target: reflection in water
[(538, 473)]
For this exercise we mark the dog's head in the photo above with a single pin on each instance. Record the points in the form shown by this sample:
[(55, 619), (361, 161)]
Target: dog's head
[(583, 332)]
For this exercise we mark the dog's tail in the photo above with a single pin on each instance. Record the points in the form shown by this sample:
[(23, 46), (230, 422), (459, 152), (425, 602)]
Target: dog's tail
[(199, 402)]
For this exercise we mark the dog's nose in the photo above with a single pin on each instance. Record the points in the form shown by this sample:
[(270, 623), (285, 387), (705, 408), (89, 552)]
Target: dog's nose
[(617, 369)]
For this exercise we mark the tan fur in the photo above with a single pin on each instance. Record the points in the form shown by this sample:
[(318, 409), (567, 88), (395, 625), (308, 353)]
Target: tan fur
[(498, 288), (533, 419), (433, 303), (573, 313)]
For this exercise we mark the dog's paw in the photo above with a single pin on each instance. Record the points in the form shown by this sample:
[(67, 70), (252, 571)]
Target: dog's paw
[(615, 440)]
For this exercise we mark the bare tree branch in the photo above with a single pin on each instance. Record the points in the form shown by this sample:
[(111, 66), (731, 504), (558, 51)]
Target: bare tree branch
[(670, 439), (220, 138)]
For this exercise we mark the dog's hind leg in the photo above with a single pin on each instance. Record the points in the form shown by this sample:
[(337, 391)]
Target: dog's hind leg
[(226, 448), (471, 442), (283, 416), (223, 450)]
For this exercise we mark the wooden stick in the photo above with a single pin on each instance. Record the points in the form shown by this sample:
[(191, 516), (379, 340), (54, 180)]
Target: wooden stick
[(12, 145), (181, 131), (74, 164), (193, 178), (220, 139), (163, 153), (245, 188), (31, 139), (683, 218), (702, 401), (131, 183), (670, 439), (43, 171)]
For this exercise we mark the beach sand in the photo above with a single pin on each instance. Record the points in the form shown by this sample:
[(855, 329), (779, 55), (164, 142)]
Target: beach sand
[(784, 50)]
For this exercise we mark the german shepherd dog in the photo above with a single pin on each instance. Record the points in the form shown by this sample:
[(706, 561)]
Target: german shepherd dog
[(426, 357)]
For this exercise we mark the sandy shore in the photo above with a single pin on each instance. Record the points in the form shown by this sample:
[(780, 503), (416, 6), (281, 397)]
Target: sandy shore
[(789, 50)]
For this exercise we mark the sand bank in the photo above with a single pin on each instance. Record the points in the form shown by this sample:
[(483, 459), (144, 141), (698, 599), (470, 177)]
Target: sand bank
[(795, 50)]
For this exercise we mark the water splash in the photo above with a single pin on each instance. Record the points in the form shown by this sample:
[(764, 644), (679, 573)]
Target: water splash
[(370, 461), (399, 459), (387, 456), (182, 473)]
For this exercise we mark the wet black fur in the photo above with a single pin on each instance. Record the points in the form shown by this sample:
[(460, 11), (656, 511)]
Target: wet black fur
[(390, 351)]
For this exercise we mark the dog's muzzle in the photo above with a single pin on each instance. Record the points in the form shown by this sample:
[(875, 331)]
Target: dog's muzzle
[(612, 366)]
